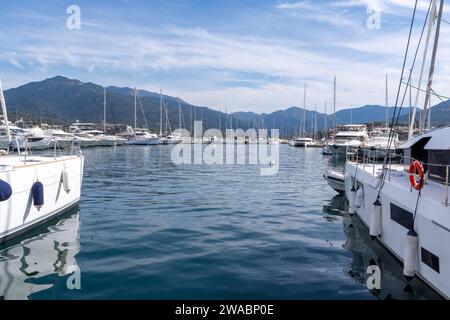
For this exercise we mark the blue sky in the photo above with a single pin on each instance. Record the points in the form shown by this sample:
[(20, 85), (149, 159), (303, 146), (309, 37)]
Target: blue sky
[(240, 55)]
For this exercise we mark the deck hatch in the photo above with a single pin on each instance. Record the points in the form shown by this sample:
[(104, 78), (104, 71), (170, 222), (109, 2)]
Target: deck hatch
[(402, 217), (430, 259)]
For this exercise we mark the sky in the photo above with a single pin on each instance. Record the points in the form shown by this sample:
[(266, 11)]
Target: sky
[(252, 55)]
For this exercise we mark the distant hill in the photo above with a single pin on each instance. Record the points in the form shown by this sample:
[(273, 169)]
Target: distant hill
[(60, 100)]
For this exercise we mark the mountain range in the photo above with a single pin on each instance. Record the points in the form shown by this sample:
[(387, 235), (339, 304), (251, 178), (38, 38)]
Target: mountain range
[(60, 100)]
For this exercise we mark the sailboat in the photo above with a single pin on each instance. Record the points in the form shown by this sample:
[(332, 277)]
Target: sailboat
[(406, 206), (35, 189), (141, 136)]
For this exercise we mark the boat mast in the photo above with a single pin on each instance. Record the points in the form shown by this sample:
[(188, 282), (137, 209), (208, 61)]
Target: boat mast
[(433, 62), (325, 124), (104, 111), (135, 108), (304, 112), (424, 58), (179, 114), (5, 114), (160, 113), (334, 106), (387, 103)]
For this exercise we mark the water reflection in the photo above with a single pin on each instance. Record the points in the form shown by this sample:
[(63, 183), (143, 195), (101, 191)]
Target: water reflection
[(366, 252), (28, 264)]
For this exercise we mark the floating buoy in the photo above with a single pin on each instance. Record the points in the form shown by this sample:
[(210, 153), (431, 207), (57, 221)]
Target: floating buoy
[(375, 220), (66, 180), (351, 201), (410, 258), (38, 195), (359, 197), (5, 191)]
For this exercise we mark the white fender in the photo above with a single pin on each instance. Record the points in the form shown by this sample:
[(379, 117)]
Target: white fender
[(375, 219), (66, 180), (359, 197), (410, 258), (351, 201)]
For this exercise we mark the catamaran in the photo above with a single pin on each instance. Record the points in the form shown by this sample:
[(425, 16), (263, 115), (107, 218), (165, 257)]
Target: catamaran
[(35, 189), (406, 206)]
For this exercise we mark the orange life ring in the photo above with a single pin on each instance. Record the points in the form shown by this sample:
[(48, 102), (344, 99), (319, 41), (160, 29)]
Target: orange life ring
[(416, 166)]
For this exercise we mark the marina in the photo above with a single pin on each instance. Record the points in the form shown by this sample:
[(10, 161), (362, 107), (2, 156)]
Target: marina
[(206, 156)]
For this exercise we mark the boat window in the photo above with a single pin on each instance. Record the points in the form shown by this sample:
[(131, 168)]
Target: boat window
[(441, 157), (402, 217)]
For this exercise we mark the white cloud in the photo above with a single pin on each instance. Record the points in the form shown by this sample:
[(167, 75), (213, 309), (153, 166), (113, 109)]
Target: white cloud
[(15, 63)]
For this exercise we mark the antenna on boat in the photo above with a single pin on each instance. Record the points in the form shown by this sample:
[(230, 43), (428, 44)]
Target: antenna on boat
[(5, 114), (433, 63), (304, 113)]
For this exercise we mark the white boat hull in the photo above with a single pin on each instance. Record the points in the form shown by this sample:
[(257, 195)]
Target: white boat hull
[(18, 214), (430, 220)]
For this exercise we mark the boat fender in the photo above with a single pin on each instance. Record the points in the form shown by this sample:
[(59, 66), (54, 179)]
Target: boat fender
[(351, 201), (375, 220), (5, 191), (410, 257), (359, 197), (66, 180), (38, 195)]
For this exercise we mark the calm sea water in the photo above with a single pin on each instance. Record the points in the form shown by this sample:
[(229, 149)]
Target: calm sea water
[(148, 229)]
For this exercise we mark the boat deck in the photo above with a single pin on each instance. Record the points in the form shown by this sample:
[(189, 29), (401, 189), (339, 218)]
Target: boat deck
[(10, 162), (398, 176)]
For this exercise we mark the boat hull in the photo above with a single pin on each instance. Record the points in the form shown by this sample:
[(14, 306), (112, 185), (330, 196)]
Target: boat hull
[(398, 203), (18, 214)]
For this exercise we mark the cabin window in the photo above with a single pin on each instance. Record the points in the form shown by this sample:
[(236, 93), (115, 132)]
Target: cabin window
[(441, 157), (402, 217), (430, 259)]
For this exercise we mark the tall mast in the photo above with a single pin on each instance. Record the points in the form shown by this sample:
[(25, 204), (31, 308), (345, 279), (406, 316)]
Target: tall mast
[(135, 108), (5, 114), (433, 62), (387, 103), (160, 114), (179, 114), (304, 112), (104, 112), (424, 58), (334, 106)]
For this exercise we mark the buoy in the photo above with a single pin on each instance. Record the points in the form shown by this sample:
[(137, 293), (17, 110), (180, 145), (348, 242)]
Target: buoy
[(410, 258), (5, 191), (351, 201), (375, 220), (38, 195), (359, 197), (66, 180)]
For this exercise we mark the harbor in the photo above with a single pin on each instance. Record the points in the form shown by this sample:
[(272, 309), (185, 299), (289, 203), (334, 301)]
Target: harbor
[(197, 159)]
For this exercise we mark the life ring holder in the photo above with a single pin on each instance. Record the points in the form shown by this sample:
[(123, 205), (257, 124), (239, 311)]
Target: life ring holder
[(416, 166)]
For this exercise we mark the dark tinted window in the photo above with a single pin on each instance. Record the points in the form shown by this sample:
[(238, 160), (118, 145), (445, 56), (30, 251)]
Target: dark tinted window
[(442, 157)]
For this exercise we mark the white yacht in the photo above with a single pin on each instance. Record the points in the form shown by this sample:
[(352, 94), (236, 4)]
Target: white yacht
[(379, 145), (302, 142), (349, 136), (61, 138), (414, 225), (35, 189)]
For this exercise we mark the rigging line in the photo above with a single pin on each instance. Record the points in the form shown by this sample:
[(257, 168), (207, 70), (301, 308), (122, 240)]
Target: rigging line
[(423, 90), (392, 130), (143, 113)]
